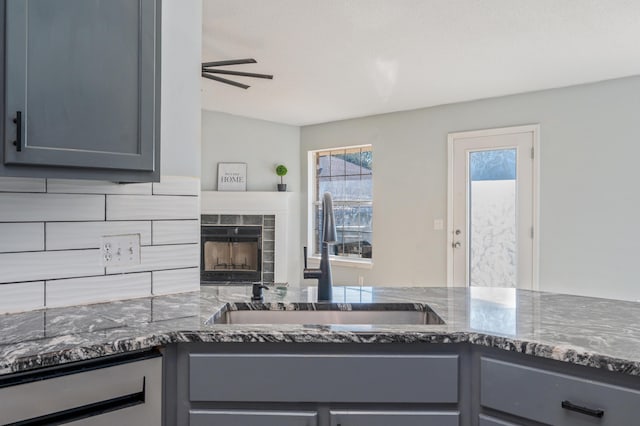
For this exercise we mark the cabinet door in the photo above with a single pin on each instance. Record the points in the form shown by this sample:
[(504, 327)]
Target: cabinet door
[(396, 418), (491, 421), (83, 77), (252, 418)]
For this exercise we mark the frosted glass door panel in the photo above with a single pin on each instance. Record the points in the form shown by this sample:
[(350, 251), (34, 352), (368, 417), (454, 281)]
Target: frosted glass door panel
[(492, 218)]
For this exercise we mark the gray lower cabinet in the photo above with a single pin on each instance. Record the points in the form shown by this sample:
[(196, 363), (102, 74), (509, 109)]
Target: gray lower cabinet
[(315, 385), (554, 398), (120, 390), (252, 418), (380, 385), (396, 418), (81, 89), (492, 421)]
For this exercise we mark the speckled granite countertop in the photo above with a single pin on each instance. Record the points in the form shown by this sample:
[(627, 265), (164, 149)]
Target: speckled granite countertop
[(586, 331)]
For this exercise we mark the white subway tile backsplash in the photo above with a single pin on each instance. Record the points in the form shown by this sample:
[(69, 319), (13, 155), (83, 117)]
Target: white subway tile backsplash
[(176, 281), (175, 232), (50, 207), (140, 207), (78, 291), (155, 258), (78, 235), (43, 265), (15, 237), (177, 185), (50, 233), (21, 297), (69, 186), (14, 184)]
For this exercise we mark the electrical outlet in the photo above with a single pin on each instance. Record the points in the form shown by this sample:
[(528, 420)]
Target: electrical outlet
[(120, 250), (438, 224)]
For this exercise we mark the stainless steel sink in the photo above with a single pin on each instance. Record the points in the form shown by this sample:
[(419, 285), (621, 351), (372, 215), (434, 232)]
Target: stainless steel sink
[(326, 313)]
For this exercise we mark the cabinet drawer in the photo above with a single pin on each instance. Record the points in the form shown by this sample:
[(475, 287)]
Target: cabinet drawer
[(492, 421), (252, 418), (323, 378), (396, 418), (71, 391), (539, 395)]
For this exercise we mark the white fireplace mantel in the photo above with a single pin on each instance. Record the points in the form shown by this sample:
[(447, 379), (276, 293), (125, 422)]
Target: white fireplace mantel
[(256, 203), (248, 202)]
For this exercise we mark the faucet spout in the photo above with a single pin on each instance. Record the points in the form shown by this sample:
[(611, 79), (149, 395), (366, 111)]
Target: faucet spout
[(323, 274), (328, 220)]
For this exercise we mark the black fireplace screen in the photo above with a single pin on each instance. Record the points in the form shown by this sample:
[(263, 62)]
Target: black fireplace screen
[(231, 253)]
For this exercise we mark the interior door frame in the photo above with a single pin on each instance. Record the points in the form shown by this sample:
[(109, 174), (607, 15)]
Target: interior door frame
[(535, 130)]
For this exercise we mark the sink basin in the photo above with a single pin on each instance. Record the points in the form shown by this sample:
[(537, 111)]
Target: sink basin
[(326, 313)]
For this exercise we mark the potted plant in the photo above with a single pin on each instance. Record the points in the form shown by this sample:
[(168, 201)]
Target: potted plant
[(281, 171)]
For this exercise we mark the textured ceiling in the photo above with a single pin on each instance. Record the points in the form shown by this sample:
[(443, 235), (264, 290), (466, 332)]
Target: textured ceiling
[(337, 59)]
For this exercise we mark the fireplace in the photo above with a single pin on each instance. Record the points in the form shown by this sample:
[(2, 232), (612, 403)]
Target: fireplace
[(269, 209), (231, 253), (237, 249)]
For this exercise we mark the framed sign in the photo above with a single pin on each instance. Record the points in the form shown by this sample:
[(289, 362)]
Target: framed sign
[(232, 176)]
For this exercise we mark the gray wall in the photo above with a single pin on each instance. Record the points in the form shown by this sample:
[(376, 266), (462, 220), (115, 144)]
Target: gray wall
[(589, 201), (261, 144), (180, 113)]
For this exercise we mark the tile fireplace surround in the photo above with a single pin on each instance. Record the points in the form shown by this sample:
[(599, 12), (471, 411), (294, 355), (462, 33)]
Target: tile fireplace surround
[(237, 207), (267, 224)]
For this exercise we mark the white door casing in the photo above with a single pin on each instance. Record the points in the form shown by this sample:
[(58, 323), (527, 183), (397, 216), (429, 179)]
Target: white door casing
[(525, 141)]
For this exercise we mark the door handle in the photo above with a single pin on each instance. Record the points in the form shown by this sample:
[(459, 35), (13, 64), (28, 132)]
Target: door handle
[(18, 120), (567, 405), (456, 245)]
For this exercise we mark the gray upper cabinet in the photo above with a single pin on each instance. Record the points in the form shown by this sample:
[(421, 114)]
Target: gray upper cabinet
[(81, 89)]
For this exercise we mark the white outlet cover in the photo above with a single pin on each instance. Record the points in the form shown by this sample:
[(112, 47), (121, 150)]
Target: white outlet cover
[(120, 250), (438, 224)]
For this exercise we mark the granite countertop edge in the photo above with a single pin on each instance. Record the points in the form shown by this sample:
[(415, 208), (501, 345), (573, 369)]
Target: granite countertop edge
[(559, 353)]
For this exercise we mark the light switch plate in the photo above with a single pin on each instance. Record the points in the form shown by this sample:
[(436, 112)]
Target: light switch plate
[(120, 250), (438, 224)]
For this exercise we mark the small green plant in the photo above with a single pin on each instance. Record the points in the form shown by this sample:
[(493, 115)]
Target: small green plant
[(281, 171)]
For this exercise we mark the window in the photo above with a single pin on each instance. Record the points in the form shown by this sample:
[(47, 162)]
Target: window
[(347, 174)]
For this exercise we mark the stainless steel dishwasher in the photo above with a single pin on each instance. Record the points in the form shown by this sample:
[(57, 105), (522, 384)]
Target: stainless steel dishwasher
[(117, 390)]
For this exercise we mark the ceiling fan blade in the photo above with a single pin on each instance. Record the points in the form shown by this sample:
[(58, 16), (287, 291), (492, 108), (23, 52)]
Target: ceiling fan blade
[(229, 62), (239, 73), (224, 80)]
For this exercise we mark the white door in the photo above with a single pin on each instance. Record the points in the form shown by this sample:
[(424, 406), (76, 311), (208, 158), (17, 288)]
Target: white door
[(492, 202)]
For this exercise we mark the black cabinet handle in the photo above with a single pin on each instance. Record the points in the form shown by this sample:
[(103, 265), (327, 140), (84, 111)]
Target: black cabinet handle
[(18, 121), (304, 254), (583, 410), (89, 410)]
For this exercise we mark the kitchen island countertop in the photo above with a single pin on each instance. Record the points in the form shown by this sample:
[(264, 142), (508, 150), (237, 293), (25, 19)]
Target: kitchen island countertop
[(593, 332)]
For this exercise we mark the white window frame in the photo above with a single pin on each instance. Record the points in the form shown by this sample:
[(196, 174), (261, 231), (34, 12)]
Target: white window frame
[(314, 259)]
